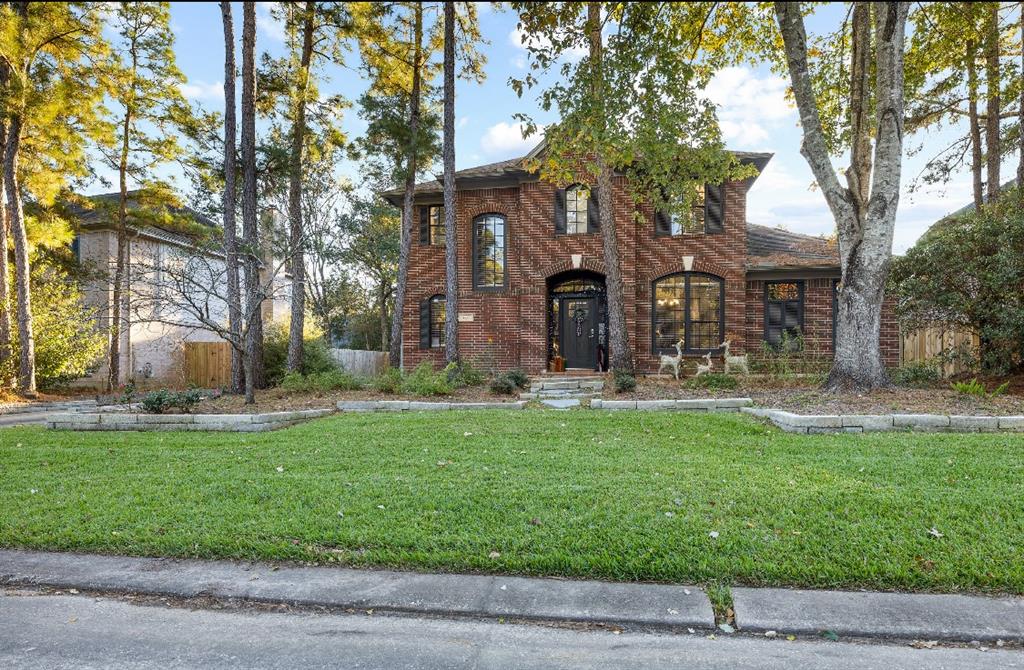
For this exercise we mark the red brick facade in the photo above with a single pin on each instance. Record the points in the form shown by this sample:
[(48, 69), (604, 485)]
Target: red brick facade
[(508, 328)]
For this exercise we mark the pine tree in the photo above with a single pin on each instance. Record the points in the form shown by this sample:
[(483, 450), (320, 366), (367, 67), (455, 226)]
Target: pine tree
[(230, 197), (253, 300)]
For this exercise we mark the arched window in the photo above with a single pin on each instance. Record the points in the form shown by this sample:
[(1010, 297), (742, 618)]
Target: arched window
[(489, 252), (576, 198), (688, 306)]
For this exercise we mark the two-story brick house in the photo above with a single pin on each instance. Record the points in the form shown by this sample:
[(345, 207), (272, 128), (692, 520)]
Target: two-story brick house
[(531, 275)]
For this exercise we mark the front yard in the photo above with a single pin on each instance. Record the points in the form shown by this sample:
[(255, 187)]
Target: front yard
[(626, 495)]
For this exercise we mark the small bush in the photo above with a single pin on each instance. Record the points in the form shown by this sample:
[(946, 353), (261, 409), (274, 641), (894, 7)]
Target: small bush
[(321, 382), (424, 381), (157, 402), (464, 374), (977, 389), (623, 381), (503, 385), (389, 381), (714, 380), (316, 355), (922, 373), (518, 377), (187, 400)]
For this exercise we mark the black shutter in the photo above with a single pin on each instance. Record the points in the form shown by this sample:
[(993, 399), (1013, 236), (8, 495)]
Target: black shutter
[(560, 211), (593, 212), (714, 209), (425, 225), (662, 224), (425, 323)]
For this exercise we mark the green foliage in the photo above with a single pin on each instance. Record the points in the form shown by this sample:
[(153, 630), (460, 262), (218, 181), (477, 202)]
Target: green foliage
[(158, 402), (518, 377), (321, 382), (389, 381), (623, 382), (714, 380), (425, 381), (316, 356), (977, 389), (464, 374), (67, 343), (922, 373), (967, 272), (503, 385)]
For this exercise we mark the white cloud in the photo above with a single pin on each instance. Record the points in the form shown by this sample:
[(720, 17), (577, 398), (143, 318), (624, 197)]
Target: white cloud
[(748, 106), (506, 140), (200, 90), (267, 24)]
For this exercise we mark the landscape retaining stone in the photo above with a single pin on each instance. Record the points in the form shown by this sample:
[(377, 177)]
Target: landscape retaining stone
[(655, 404), (181, 422), (858, 423), (973, 424), (1011, 423), (869, 422), (920, 421)]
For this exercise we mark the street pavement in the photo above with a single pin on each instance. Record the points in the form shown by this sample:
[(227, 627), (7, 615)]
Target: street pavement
[(39, 630)]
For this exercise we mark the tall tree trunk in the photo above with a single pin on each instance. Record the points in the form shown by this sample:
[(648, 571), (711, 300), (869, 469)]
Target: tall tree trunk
[(405, 249), (230, 198), (383, 319), (16, 215), (250, 222), (5, 302), (296, 235), (974, 125), (451, 277), (117, 316), (992, 83), (865, 235), (620, 355), (1020, 115)]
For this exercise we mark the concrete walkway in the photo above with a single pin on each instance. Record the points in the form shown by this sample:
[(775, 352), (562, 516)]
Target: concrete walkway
[(639, 606)]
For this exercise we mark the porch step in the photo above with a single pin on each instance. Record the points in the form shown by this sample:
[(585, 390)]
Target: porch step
[(563, 394)]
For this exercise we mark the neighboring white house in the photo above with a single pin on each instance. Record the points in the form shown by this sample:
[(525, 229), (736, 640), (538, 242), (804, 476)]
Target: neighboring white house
[(156, 323)]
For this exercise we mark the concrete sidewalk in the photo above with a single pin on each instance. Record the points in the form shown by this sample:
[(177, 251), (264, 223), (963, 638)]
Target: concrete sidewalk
[(954, 618)]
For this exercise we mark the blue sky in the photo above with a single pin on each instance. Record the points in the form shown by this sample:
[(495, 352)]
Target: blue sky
[(753, 112)]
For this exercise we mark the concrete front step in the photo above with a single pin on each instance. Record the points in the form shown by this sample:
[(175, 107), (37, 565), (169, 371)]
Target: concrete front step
[(567, 385), (550, 395)]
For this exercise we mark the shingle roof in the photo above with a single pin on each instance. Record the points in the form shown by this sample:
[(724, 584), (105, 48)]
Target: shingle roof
[(771, 248), (88, 215)]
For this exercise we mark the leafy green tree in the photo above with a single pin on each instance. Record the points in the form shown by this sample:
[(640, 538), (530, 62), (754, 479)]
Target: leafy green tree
[(968, 271), (48, 102), (143, 83), (632, 105)]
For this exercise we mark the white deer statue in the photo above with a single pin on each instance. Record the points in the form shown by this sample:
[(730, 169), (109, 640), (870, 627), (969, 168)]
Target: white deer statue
[(737, 362), (672, 361), (705, 368)]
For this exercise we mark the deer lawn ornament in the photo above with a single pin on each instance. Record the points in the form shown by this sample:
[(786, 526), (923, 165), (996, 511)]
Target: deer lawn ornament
[(705, 368), (672, 361), (737, 362)]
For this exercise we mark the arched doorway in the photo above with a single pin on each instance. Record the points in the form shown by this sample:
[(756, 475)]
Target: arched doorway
[(578, 320)]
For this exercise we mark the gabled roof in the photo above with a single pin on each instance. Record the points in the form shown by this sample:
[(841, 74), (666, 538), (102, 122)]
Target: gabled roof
[(513, 169), (778, 249), (99, 216)]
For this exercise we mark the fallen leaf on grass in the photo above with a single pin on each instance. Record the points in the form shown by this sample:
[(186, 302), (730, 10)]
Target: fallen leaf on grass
[(494, 554), (934, 532), (280, 469), (713, 535)]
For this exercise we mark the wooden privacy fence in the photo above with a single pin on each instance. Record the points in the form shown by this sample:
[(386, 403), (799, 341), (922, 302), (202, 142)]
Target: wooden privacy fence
[(359, 362), (208, 364), (926, 344)]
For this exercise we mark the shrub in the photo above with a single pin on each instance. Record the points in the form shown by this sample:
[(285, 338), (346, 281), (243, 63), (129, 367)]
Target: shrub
[(977, 389), (518, 377), (503, 385), (714, 380), (187, 400), (316, 355), (157, 402), (464, 374), (921, 373), (389, 381), (426, 382), (334, 380), (623, 381)]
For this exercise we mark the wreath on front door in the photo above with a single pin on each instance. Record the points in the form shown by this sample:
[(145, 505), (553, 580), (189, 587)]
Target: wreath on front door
[(579, 315)]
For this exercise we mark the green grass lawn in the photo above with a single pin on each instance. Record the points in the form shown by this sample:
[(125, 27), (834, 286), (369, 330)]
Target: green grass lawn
[(627, 495)]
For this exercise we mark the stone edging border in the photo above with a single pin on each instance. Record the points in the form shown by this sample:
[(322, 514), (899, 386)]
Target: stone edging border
[(864, 423), (414, 405), (236, 423), (691, 405), (34, 407)]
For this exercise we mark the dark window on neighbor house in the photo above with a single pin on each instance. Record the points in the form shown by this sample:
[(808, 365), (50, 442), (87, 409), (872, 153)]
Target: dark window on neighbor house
[(489, 251), (688, 306), (435, 219), (437, 316), (783, 312), (576, 201)]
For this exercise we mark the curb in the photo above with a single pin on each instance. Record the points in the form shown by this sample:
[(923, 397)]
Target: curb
[(446, 595)]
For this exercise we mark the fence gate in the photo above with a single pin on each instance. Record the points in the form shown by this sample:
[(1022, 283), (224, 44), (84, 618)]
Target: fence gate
[(208, 364), (930, 343)]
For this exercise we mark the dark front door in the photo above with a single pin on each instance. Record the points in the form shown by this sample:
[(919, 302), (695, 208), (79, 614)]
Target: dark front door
[(578, 318)]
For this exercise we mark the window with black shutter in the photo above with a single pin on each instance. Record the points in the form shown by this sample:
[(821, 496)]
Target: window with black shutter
[(783, 313), (577, 206), (489, 247), (688, 222), (432, 318)]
